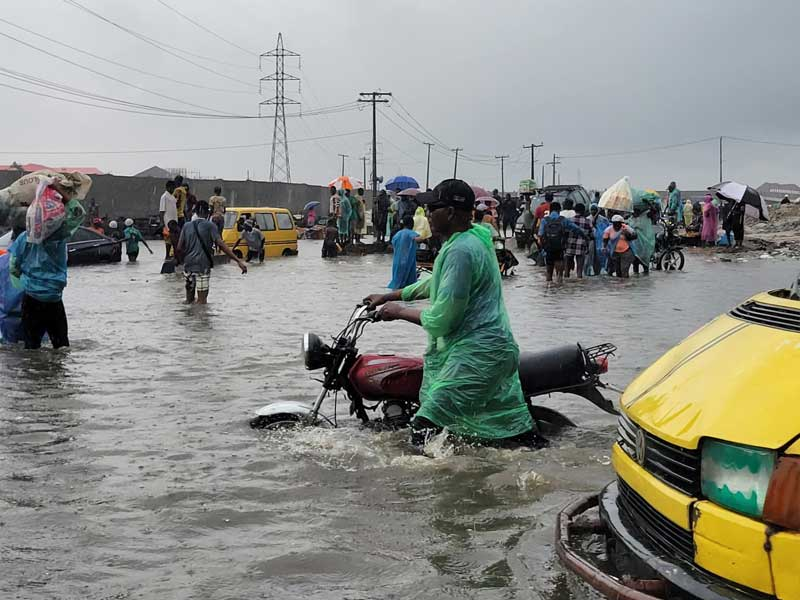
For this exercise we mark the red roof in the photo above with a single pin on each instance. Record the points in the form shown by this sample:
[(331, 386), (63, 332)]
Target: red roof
[(31, 167)]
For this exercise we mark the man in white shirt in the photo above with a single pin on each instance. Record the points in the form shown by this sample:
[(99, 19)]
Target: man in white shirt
[(168, 208)]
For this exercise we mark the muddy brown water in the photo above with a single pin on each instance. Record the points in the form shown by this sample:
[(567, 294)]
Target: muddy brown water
[(128, 470)]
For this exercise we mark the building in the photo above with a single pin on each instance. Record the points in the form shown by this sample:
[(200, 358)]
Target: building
[(775, 192), (155, 171)]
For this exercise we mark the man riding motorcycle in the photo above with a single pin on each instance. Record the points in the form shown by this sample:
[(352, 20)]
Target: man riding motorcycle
[(470, 382)]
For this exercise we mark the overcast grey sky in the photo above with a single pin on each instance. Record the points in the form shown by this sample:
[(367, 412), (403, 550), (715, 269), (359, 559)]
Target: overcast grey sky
[(585, 77)]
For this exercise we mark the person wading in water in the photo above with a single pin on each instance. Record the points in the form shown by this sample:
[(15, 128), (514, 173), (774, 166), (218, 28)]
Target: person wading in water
[(470, 381)]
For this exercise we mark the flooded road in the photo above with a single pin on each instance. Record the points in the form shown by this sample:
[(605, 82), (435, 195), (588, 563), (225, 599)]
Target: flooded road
[(128, 469)]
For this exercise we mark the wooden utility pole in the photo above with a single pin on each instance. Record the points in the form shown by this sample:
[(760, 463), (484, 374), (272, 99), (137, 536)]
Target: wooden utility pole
[(374, 98), (533, 148), (428, 168), (554, 162), (343, 157), (720, 159), (502, 158), (455, 166)]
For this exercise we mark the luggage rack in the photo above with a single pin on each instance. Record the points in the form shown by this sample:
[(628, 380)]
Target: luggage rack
[(601, 350)]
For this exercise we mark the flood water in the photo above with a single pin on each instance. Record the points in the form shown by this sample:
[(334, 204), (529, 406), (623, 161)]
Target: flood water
[(128, 469)]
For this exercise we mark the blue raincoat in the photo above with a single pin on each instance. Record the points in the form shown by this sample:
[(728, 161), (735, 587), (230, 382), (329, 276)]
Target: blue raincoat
[(40, 268), (10, 305), (404, 261), (600, 225)]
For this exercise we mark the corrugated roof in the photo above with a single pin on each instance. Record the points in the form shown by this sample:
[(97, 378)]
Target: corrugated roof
[(31, 167)]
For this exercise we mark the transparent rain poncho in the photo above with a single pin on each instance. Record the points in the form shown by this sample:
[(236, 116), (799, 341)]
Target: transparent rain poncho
[(470, 381)]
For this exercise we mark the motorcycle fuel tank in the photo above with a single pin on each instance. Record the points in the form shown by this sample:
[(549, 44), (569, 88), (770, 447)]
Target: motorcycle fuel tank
[(380, 377)]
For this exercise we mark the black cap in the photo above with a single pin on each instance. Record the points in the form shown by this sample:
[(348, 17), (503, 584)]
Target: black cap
[(450, 192)]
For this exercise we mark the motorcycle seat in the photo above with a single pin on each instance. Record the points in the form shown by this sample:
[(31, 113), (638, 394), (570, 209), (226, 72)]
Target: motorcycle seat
[(552, 369)]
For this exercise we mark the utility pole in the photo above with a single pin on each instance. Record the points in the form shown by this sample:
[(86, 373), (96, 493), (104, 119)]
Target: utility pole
[(502, 158), (720, 159), (533, 148), (542, 176), (455, 166), (364, 160), (428, 168), (554, 162), (374, 98), (280, 145), (343, 157)]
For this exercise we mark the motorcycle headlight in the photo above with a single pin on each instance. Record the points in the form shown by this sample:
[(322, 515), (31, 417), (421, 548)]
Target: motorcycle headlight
[(315, 352), (736, 477)]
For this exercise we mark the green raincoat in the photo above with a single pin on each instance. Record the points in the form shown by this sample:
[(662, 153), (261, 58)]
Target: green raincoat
[(470, 381)]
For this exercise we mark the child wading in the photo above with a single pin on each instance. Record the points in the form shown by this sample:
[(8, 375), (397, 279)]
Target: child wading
[(132, 238)]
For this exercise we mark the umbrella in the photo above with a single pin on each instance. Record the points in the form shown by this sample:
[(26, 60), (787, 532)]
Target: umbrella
[(754, 204), (310, 205), (480, 192), (618, 197), (345, 183), (487, 200), (400, 183), (409, 192)]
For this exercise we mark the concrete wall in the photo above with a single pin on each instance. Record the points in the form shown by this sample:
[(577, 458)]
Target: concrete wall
[(118, 196)]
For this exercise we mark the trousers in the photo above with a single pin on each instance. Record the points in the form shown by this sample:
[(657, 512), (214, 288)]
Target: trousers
[(39, 318)]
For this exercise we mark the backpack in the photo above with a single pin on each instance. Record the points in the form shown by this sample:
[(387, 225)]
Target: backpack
[(554, 234)]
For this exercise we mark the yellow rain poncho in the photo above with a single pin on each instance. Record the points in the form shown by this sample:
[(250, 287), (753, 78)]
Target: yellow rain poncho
[(470, 381), (421, 225)]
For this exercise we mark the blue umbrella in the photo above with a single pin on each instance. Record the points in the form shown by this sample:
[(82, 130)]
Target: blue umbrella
[(311, 205), (400, 183)]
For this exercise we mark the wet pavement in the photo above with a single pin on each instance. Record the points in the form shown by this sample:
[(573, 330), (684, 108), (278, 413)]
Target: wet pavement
[(128, 469)]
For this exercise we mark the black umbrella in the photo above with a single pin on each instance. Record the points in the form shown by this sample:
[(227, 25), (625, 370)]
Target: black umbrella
[(754, 204)]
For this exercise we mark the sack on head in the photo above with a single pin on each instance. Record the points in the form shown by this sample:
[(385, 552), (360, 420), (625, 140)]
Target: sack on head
[(47, 213)]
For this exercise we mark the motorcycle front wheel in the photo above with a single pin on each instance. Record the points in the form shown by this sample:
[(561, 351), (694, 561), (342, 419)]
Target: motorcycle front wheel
[(275, 422), (671, 260)]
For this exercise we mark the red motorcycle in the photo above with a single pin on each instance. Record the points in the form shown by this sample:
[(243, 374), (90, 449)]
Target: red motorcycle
[(391, 383)]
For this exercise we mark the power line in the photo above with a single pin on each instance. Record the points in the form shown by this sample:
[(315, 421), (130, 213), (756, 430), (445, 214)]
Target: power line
[(160, 150), (111, 77), (640, 150), (119, 64), (144, 109), (160, 45), (206, 29), (764, 142)]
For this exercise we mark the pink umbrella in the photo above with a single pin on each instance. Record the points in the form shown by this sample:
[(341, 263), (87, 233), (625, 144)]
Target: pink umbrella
[(480, 192), (409, 192)]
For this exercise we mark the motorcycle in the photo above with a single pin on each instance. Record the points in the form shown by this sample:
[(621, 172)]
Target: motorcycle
[(391, 383), (668, 254)]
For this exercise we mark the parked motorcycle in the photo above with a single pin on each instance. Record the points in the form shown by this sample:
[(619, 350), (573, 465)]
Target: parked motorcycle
[(390, 384)]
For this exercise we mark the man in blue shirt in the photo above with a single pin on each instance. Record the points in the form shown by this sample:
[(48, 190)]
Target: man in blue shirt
[(552, 238)]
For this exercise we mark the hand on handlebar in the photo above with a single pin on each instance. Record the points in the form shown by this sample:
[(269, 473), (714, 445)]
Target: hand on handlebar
[(391, 311), (373, 301)]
